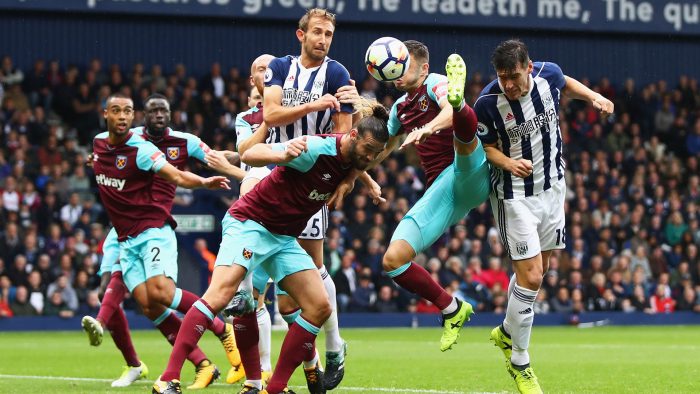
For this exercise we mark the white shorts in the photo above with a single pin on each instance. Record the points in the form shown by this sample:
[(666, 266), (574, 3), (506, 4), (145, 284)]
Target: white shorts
[(532, 224), (256, 173), (316, 226)]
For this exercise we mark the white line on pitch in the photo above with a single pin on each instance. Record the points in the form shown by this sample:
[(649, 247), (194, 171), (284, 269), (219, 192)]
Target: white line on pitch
[(364, 389)]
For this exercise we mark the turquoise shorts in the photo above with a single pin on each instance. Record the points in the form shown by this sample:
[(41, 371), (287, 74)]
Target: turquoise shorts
[(464, 185), (260, 279), (110, 254), (149, 254), (251, 245)]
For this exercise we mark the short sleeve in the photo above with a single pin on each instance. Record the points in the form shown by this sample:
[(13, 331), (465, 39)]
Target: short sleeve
[(338, 76), (486, 127), (196, 148), (437, 87), (317, 146), (243, 130), (393, 124), (274, 75), (148, 156), (555, 76)]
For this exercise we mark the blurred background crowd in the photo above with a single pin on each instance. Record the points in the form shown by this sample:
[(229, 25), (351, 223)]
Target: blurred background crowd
[(633, 181)]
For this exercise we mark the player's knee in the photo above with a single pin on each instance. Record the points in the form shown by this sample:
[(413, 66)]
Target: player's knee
[(320, 312), (392, 259), (533, 279)]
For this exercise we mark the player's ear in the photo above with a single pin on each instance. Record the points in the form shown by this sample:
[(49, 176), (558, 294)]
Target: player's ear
[(300, 35), (530, 66), (353, 133)]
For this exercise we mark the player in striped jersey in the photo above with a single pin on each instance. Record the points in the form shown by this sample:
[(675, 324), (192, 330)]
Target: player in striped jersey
[(304, 96), (519, 127)]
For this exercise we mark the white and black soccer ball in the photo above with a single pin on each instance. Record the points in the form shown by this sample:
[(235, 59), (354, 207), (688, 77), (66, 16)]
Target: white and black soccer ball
[(387, 59)]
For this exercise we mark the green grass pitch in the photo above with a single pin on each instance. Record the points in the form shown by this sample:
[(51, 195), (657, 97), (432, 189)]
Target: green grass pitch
[(566, 360)]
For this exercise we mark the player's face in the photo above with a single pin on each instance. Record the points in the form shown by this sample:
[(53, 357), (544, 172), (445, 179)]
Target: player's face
[(316, 40), (119, 114), (515, 82), (254, 98), (413, 76), (257, 71), (157, 115), (364, 149)]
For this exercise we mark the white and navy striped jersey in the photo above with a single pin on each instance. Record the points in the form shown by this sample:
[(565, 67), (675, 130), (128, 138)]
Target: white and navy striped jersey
[(527, 128), (301, 85)]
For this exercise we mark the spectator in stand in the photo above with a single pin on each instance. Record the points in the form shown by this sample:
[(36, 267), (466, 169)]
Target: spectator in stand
[(21, 306), (364, 297), (57, 306), (661, 302), (385, 302), (68, 297)]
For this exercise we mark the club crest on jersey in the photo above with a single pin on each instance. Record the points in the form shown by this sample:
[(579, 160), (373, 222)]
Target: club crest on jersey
[(481, 129), (247, 254), (173, 152), (268, 75), (120, 162), (521, 247), (423, 103), (319, 84)]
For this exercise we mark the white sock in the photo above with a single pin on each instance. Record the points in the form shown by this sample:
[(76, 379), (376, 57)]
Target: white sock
[(518, 322), (265, 340), (450, 308), (334, 342), (256, 383), (510, 285), (312, 362)]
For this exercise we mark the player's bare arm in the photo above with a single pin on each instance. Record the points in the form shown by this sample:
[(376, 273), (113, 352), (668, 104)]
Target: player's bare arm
[(577, 90), (442, 121), (189, 180), (220, 163), (276, 115), (263, 154), (519, 167), (258, 137)]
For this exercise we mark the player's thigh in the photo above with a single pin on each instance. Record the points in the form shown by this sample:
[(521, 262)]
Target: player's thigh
[(286, 303), (314, 247), (306, 288), (288, 260), (472, 183), (517, 226), (225, 280), (252, 178), (552, 228), (132, 266), (432, 214), (316, 226), (159, 255), (110, 253)]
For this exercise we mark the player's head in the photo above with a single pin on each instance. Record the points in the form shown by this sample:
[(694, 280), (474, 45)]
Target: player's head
[(370, 135), (257, 71), (254, 97), (417, 70), (513, 67), (315, 33), (157, 111), (119, 113)]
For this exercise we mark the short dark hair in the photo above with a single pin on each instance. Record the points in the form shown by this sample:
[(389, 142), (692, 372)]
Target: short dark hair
[(315, 12), (418, 50), (117, 96), (510, 54), (375, 124), (155, 96)]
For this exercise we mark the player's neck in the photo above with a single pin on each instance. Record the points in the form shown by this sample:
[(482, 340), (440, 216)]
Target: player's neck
[(345, 148), (115, 139), (308, 62)]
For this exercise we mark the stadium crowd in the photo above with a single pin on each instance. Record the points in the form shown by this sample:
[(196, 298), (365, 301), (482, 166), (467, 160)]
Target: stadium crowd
[(633, 198)]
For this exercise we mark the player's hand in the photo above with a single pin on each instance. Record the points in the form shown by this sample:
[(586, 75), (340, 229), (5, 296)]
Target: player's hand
[(605, 106), (295, 147), (522, 168), (375, 192), (217, 182), (327, 101), (90, 159), (417, 136), (217, 161), (335, 203), (348, 95)]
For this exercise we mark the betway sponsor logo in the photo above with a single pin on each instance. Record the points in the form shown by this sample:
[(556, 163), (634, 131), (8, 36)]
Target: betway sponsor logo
[(319, 197), (104, 180)]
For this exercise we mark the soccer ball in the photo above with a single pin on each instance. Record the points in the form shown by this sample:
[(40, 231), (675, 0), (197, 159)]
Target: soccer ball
[(387, 59)]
